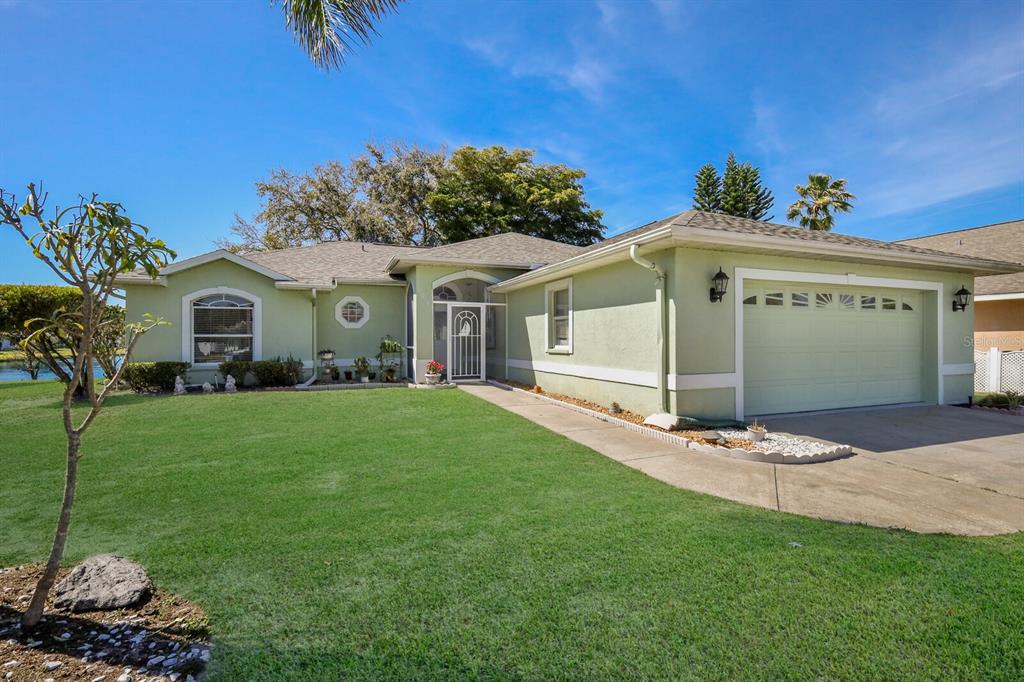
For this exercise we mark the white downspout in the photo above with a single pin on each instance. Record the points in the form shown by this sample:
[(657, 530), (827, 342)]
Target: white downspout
[(662, 418), (314, 356)]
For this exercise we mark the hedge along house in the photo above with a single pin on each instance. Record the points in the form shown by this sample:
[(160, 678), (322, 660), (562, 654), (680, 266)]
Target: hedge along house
[(700, 314)]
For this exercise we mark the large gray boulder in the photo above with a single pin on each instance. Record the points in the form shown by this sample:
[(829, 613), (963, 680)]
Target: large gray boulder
[(103, 582)]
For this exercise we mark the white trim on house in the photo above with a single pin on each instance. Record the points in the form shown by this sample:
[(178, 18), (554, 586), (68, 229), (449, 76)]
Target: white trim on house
[(690, 382), (186, 323), (463, 274), (958, 370), (998, 297), (644, 378), (850, 279), (340, 305), (549, 289), (221, 254), (620, 376)]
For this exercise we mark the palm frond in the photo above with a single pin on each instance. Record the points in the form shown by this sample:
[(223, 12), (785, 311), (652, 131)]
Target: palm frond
[(329, 30)]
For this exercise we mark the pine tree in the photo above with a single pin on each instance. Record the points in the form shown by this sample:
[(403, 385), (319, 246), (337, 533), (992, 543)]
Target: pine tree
[(707, 190), (738, 192)]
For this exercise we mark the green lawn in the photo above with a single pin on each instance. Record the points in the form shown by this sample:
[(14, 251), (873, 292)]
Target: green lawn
[(427, 534)]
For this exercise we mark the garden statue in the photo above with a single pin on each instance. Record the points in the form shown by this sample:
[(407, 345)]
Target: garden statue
[(229, 385), (179, 386), (207, 387)]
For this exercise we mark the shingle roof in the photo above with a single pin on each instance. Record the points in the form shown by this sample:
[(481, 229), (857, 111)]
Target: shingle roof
[(323, 263), (1002, 241), (508, 247), (727, 223)]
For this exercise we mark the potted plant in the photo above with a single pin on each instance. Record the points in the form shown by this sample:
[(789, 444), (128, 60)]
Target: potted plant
[(757, 431), (362, 366), (389, 357), (434, 370), (326, 354)]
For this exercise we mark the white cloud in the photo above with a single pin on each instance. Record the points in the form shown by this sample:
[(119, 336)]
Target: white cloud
[(582, 70), (950, 126)]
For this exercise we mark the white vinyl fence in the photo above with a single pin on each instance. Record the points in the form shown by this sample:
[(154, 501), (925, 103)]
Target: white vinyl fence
[(999, 371)]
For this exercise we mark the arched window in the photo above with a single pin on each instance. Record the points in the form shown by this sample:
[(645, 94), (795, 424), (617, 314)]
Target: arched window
[(222, 328), (445, 293)]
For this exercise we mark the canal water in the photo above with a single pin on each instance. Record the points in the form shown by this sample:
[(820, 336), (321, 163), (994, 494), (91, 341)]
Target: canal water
[(13, 370)]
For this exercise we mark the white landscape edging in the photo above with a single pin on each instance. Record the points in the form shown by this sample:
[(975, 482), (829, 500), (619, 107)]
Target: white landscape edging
[(737, 453)]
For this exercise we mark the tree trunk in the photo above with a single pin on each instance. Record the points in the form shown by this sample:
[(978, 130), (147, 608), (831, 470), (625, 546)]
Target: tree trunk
[(35, 608)]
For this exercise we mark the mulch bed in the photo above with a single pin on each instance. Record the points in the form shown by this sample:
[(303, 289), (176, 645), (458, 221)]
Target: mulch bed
[(164, 638)]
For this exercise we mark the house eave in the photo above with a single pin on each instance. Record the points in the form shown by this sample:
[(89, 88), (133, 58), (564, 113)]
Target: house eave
[(1013, 296), (159, 281), (222, 254), (753, 243), (400, 265)]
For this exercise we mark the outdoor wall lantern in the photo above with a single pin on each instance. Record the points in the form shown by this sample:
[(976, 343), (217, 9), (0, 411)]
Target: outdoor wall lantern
[(721, 283), (961, 298)]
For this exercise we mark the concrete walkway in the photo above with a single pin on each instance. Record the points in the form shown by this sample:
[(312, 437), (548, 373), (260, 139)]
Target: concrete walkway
[(928, 469)]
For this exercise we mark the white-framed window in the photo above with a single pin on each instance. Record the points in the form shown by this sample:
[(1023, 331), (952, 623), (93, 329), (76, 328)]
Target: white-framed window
[(220, 324), (445, 293), (352, 312), (558, 316)]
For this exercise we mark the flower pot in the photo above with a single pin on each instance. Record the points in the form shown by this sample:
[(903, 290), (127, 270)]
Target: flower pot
[(348, 376), (373, 375), (433, 379), (756, 435), (326, 356), (364, 379), (389, 376)]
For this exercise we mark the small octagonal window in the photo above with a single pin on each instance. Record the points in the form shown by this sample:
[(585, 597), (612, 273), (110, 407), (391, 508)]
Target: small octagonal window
[(352, 312)]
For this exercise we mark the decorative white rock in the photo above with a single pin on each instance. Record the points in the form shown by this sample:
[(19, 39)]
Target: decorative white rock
[(179, 386), (207, 387), (229, 385), (663, 420)]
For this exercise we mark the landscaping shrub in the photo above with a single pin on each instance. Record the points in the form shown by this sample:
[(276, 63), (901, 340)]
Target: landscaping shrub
[(236, 368), (277, 372), (153, 376)]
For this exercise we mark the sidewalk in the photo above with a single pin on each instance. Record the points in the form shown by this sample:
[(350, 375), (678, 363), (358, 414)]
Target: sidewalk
[(874, 488)]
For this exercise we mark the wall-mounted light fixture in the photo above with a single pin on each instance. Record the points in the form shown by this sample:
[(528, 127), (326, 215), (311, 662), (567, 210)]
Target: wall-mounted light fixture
[(721, 283), (961, 298)]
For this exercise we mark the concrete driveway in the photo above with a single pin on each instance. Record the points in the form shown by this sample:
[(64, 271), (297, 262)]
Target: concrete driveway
[(926, 469)]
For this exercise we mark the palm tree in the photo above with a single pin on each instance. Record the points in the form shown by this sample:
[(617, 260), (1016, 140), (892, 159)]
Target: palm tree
[(818, 199), (328, 30)]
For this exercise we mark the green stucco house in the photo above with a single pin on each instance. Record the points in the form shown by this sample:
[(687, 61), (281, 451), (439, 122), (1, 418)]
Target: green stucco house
[(699, 314)]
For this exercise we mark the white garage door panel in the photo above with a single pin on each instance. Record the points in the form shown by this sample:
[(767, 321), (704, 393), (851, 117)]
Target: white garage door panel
[(846, 347)]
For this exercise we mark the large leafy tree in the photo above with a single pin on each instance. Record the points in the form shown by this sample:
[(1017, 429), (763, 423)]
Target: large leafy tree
[(380, 196), (495, 190), (87, 246), (737, 192), (819, 200), (412, 196), (329, 30)]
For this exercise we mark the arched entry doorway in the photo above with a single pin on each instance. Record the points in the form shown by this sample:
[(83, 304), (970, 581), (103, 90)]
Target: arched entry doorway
[(465, 324)]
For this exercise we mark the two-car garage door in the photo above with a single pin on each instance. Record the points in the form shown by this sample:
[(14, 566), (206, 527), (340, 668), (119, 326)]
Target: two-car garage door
[(809, 347)]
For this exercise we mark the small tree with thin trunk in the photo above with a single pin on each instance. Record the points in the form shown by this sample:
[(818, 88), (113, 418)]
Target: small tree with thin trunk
[(87, 246)]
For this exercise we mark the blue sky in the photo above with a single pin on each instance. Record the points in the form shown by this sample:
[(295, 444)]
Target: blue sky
[(175, 109)]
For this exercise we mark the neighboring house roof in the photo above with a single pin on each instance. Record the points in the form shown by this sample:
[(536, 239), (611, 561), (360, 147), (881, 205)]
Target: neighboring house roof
[(714, 230), (1001, 241)]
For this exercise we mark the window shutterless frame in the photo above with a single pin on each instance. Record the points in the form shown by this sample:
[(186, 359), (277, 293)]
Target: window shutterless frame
[(558, 316)]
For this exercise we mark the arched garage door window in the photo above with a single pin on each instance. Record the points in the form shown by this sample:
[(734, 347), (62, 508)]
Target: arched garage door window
[(222, 328)]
